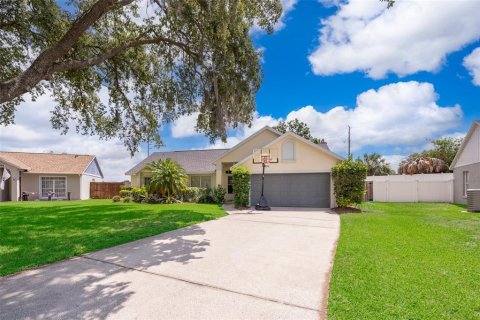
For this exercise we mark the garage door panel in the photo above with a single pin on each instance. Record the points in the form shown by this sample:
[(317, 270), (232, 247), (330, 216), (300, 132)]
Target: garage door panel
[(293, 190)]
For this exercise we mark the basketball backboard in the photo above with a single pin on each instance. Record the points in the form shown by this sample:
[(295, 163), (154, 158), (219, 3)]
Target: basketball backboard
[(265, 155)]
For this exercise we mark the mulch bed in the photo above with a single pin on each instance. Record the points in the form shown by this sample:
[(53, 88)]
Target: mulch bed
[(339, 210)]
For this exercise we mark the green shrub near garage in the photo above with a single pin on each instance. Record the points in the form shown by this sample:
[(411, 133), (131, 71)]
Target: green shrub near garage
[(349, 182), (241, 186)]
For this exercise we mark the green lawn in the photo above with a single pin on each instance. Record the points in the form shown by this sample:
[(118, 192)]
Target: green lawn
[(407, 261), (36, 233)]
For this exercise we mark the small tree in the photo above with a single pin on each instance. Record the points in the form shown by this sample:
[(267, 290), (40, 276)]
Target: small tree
[(241, 186), (349, 182), (168, 178), (298, 127)]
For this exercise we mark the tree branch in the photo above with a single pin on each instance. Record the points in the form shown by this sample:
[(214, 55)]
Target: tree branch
[(78, 64), (40, 69)]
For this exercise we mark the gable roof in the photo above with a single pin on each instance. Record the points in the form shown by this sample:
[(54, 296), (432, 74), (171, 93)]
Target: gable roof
[(470, 132), (48, 163), (322, 147), (241, 143), (193, 161)]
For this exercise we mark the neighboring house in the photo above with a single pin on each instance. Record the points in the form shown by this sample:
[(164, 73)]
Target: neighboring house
[(38, 174), (466, 164), (301, 178)]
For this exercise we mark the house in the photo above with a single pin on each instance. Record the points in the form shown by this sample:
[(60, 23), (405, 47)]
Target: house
[(466, 164), (67, 176), (302, 176)]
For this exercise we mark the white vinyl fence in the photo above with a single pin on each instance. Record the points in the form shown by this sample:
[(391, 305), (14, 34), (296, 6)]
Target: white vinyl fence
[(412, 188)]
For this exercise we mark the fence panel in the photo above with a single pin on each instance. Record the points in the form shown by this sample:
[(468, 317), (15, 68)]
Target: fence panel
[(413, 188), (104, 190)]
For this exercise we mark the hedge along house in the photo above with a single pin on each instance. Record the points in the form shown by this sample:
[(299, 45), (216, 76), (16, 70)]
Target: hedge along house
[(466, 164), (40, 174), (302, 178)]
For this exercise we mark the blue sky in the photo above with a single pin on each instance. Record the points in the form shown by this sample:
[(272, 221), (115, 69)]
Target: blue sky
[(400, 77), (290, 84)]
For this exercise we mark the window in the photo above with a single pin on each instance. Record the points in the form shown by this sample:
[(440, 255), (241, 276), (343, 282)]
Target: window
[(229, 184), (55, 185), (465, 183), (288, 151), (146, 181), (200, 181)]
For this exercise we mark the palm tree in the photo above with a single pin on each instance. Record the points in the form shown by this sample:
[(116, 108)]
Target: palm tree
[(168, 178), (418, 164), (376, 165)]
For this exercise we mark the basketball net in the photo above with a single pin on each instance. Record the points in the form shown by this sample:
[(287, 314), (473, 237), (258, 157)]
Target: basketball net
[(266, 159)]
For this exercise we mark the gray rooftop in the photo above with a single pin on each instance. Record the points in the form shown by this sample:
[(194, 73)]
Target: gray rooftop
[(193, 161)]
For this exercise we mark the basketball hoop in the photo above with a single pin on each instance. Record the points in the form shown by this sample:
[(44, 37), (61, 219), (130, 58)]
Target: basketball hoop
[(264, 157), (266, 160)]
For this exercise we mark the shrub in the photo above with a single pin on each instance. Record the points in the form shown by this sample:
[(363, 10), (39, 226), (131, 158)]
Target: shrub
[(125, 193), (206, 196), (152, 198), (190, 194), (116, 199), (168, 178), (241, 186), (127, 199), (219, 194), (138, 194), (349, 182)]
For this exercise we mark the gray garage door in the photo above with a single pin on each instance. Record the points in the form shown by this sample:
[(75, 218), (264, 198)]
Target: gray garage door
[(293, 190)]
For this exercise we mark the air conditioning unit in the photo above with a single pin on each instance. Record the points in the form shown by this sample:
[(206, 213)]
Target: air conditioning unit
[(473, 200)]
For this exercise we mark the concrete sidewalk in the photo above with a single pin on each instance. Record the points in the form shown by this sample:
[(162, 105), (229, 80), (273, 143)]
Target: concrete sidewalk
[(254, 265)]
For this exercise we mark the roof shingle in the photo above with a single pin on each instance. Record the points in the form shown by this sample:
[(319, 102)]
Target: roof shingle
[(52, 163), (193, 161)]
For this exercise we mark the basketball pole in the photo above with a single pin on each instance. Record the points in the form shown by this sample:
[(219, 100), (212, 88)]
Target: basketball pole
[(262, 203)]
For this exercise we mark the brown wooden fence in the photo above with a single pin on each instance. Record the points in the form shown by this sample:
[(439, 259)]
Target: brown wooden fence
[(104, 190)]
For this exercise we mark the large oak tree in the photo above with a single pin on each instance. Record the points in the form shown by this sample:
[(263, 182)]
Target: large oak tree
[(158, 62)]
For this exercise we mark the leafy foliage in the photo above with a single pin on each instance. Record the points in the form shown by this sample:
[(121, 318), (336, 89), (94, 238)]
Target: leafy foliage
[(241, 186), (376, 165), (422, 165), (206, 195), (136, 194), (219, 194), (116, 199), (168, 178), (190, 194), (179, 57), (444, 149), (127, 199), (349, 182), (298, 127)]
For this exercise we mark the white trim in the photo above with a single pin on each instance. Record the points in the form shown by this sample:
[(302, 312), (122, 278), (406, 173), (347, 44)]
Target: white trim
[(52, 176), (464, 143), (308, 142), (241, 143), (98, 166)]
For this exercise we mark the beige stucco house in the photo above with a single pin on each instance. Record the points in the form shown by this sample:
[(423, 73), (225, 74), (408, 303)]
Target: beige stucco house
[(38, 174), (466, 164), (302, 176)]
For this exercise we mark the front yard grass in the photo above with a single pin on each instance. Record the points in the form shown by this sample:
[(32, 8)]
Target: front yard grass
[(37, 233), (407, 261)]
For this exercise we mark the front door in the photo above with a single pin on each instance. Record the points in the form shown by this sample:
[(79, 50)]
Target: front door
[(229, 195)]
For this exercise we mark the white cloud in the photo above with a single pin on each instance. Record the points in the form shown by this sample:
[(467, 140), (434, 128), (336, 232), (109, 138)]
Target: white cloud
[(412, 36), (287, 6), (400, 114), (472, 63), (32, 132), (403, 113), (394, 160), (185, 126)]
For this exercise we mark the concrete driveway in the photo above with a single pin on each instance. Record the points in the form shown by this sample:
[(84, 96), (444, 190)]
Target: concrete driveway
[(270, 265)]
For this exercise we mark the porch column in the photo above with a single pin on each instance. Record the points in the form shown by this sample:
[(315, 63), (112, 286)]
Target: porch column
[(14, 181)]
